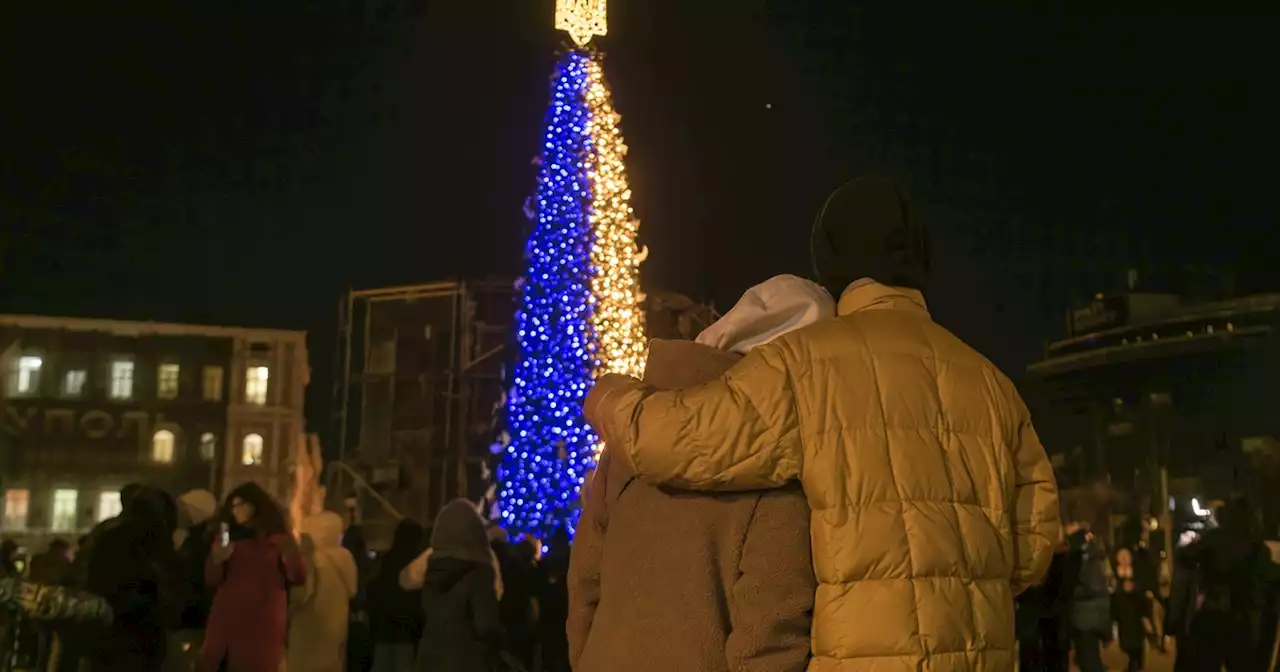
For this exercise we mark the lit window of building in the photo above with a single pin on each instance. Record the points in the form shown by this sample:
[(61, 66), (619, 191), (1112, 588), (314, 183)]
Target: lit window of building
[(65, 517), (162, 447), (25, 380), (167, 381), (208, 446), (109, 505), (213, 383), (251, 453), (255, 385), (122, 379), (73, 383), (16, 505)]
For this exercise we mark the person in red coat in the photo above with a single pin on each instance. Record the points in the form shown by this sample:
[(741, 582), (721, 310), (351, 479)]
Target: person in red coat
[(250, 574)]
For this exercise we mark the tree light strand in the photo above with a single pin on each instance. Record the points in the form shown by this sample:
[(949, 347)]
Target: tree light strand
[(579, 315)]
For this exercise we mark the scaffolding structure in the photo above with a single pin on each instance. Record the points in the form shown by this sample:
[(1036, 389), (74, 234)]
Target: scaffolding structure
[(418, 392)]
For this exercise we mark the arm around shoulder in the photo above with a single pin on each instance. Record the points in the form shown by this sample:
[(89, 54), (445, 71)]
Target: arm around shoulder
[(739, 432)]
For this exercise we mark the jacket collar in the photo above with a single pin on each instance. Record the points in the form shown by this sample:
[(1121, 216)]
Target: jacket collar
[(867, 294)]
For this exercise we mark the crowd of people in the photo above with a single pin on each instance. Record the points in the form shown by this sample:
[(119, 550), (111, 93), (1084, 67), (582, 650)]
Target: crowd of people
[(825, 479), (1218, 609), (192, 585)]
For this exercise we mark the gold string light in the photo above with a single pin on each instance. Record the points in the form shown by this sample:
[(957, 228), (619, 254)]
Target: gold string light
[(618, 318)]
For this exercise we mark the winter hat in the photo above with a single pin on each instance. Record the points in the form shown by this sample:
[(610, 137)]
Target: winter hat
[(868, 229), (772, 308), (196, 507), (459, 533)]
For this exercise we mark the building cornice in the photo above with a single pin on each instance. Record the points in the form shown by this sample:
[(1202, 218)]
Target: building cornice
[(137, 329)]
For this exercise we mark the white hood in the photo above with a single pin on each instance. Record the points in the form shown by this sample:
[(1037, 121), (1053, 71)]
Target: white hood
[(772, 308)]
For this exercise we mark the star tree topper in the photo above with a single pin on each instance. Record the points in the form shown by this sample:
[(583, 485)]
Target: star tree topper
[(582, 19)]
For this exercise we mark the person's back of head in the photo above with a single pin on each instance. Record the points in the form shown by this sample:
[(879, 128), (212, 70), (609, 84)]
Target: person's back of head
[(868, 228), (196, 507), (128, 491), (459, 533), (155, 509), (408, 540)]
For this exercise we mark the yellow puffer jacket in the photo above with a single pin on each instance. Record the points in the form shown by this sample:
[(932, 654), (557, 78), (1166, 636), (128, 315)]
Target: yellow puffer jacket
[(933, 501)]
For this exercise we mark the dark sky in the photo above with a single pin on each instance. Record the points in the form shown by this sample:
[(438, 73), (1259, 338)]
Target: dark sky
[(243, 161)]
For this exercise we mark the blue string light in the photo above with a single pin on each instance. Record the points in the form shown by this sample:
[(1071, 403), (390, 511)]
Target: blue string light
[(551, 447)]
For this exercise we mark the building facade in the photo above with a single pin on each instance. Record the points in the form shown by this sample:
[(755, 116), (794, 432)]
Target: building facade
[(1162, 396), (89, 405)]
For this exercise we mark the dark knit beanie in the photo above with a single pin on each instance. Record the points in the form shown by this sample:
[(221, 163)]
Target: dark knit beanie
[(868, 229)]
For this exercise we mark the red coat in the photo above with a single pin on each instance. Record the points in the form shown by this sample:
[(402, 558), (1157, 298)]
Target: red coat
[(248, 620)]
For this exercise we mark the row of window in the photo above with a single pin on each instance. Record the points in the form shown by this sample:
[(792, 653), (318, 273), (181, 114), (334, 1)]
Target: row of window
[(25, 381), (1171, 331), (65, 515), (163, 451)]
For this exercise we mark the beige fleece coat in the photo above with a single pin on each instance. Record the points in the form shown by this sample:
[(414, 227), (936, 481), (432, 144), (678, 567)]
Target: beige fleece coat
[(318, 610)]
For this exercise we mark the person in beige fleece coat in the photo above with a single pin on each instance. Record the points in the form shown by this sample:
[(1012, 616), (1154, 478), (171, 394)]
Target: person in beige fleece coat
[(319, 609), (664, 580)]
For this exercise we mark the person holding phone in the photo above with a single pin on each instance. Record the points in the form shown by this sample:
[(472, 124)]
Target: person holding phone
[(251, 567)]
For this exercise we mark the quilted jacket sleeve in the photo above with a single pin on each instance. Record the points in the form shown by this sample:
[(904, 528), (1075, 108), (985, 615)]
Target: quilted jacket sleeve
[(1036, 522), (739, 432), (585, 556)]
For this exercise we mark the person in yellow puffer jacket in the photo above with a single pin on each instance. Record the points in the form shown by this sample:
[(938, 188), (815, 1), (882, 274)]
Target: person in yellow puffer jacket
[(933, 502)]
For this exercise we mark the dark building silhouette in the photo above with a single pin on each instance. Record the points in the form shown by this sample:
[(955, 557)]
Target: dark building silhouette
[(1152, 381)]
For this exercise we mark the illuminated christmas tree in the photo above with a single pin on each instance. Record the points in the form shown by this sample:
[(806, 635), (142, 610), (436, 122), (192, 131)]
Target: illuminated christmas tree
[(579, 315)]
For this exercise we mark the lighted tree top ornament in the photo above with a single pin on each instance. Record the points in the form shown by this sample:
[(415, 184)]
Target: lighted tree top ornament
[(583, 19), (579, 315)]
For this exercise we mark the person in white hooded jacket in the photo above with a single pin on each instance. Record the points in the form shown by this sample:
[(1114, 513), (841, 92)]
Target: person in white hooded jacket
[(318, 609), (660, 580)]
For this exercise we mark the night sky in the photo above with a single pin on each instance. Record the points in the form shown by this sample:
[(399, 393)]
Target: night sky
[(242, 162)]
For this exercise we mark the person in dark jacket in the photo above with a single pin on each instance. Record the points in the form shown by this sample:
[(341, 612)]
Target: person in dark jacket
[(359, 646), (461, 630), (1090, 602), (1232, 566), (49, 568), (132, 566), (9, 558), (522, 582), (197, 511), (395, 614), (1131, 610), (554, 601), (1041, 619)]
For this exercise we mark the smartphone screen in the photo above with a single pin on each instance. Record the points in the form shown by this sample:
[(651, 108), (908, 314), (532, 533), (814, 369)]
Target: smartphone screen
[(225, 537)]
